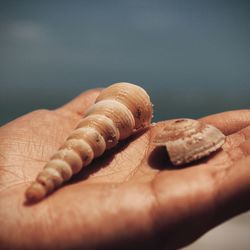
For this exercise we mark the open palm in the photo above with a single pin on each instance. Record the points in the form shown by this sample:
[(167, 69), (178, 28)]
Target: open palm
[(131, 197)]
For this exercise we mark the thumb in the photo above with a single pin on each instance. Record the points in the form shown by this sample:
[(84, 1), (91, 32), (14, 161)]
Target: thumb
[(229, 122), (233, 180)]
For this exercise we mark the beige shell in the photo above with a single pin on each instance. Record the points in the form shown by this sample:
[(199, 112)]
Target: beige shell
[(140, 105), (120, 110), (187, 140)]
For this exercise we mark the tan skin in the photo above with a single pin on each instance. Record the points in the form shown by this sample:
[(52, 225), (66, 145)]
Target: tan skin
[(130, 198)]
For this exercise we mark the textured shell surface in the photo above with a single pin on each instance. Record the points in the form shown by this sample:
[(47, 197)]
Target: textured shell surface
[(138, 102), (187, 140), (119, 111)]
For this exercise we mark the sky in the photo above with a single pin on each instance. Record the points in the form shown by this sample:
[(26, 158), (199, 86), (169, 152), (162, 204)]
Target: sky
[(193, 57)]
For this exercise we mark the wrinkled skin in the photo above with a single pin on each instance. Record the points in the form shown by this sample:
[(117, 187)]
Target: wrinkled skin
[(130, 198)]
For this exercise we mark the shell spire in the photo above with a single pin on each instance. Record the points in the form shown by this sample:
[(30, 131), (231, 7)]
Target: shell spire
[(119, 111)]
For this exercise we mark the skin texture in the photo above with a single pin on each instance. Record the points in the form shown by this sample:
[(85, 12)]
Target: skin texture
[(130, 198)]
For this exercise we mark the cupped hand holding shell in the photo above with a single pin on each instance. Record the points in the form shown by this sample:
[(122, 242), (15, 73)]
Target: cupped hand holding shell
[(131, 187)]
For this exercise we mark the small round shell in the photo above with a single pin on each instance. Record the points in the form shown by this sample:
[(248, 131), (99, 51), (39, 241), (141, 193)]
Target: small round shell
[(187, 140)]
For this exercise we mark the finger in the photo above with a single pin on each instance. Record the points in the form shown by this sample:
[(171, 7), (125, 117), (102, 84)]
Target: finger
[(233, 180), (81, 103), (232, 192), (229, 122)]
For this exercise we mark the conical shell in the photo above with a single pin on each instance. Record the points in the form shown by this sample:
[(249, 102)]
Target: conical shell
[(187, 140), (118, 112)]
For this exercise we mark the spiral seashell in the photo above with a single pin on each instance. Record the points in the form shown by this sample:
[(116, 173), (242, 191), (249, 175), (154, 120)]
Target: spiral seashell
[(119, 111), (140, 106), (187, 140)]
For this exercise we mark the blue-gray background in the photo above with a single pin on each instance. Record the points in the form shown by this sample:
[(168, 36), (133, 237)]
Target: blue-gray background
[(193, 57)]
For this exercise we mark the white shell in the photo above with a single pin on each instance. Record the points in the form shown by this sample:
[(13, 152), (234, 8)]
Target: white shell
[(187, 140)]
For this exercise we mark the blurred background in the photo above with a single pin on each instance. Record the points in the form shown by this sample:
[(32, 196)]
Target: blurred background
[(193, 57)]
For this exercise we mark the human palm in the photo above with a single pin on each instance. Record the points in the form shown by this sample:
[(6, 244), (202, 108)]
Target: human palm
[(131, 197)]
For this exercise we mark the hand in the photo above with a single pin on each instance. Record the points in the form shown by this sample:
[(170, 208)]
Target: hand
[(131, 197)]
